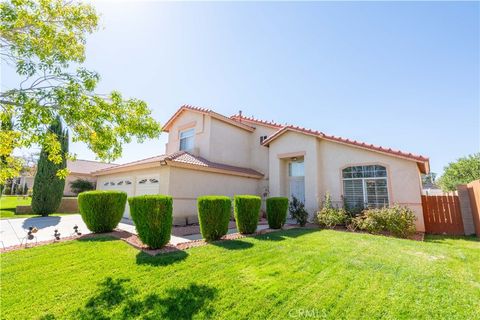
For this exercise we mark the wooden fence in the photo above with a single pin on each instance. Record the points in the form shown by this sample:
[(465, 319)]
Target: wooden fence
[(442, 215)]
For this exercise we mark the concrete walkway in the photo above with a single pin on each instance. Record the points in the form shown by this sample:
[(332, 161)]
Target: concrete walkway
[(14, 231)]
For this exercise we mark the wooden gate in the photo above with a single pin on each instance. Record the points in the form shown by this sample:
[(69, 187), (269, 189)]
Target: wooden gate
[(442, 215)]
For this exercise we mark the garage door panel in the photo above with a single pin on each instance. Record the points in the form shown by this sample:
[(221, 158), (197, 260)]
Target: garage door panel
[(149, 184)]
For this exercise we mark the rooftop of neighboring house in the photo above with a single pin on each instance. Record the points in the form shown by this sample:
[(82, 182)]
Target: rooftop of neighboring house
[(87, 166)]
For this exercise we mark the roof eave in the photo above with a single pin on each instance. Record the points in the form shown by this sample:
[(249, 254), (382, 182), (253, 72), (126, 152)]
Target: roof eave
[(215, 170), (169, 123), (423, 164), (119, 169)]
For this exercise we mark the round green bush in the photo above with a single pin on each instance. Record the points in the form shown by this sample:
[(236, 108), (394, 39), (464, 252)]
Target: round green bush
[(277, 211), (247, 210), (152, 215), (102, 210), (213, 216)]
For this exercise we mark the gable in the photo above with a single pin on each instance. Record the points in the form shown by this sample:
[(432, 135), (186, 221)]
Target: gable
[(186, 108)]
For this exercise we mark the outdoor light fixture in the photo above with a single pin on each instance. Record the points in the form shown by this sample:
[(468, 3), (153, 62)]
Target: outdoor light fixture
[(76, 231), (30, 235)]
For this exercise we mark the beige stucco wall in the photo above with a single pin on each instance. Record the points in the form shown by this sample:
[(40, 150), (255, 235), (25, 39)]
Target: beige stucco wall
[(404, 182), (324, 161), (281, 150), (229, 144), (186, 120), (186, 185)]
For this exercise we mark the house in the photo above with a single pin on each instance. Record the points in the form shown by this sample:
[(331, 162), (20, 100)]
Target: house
[(209, 153), (79, 169), (82, 169)]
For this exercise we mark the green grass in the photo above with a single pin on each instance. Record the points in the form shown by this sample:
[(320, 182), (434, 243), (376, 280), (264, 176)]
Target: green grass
[(328, 274), (8, 204)]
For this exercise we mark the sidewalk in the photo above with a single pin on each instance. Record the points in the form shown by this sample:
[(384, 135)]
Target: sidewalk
[(14, 231)]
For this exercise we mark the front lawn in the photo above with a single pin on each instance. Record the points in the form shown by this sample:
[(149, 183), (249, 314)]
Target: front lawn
[(8, 205), (323, 274)]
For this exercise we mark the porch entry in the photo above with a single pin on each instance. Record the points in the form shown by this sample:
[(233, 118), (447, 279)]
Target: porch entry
[(296, 177)]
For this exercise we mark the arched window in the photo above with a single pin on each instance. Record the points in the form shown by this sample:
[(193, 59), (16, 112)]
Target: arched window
[(365, 186)]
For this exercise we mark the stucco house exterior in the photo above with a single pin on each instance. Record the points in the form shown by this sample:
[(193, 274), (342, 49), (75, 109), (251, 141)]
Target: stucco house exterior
[(209, 153)]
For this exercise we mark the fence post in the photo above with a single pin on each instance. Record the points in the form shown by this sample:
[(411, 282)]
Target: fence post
[(474, 193), (465, 209)]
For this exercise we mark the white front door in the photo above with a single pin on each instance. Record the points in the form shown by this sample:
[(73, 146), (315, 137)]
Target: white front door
[(296, 175)]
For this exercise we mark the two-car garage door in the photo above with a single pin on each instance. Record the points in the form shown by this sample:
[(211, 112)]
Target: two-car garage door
[(133, 186)]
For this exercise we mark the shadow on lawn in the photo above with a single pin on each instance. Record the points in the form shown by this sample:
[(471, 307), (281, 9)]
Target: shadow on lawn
[(161, 259), (232, 244), (445, 238), (281, 235), (118, 299)]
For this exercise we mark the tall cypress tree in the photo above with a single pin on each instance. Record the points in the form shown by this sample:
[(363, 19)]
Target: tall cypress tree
[(48, 187)]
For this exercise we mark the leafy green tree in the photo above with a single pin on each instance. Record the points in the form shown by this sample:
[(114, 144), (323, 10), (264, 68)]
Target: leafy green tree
[(464, 170), (45, 42), (48, 186)]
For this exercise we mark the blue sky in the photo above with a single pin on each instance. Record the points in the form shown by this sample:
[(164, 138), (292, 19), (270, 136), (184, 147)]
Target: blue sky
[(400, 75)]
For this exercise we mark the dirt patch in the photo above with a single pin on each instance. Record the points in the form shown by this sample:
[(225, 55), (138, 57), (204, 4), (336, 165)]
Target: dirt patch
[(181, 231)]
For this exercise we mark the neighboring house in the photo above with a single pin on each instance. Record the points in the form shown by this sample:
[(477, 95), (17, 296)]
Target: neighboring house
[(25, 179), (208, 153), (82, 169), (79, 169)]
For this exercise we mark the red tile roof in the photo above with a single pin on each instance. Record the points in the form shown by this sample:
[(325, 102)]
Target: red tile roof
[(422, 161), (209, 112), (87, 166), (188, 159), (242, 118)]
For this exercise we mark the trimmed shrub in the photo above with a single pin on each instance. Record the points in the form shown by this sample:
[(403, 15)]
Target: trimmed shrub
[(247, 211), (102, 210), (298, 212), (152, 215), (214, 216), (277, 211), (397, 220), (48, 187)]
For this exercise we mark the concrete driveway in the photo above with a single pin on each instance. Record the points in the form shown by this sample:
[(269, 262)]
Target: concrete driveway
[(13, 231)]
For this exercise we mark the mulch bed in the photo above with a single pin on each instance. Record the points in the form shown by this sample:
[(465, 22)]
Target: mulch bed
[(133, 240), (181, 231)]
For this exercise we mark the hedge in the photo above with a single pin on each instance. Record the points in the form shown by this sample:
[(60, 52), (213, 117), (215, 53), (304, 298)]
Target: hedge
[(213, 216), (152, 215), (247, 210), (102, 210), (277, 211)]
